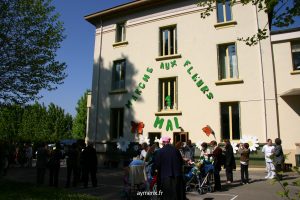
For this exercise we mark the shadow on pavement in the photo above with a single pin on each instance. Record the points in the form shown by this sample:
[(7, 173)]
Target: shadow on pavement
[(110, 182)]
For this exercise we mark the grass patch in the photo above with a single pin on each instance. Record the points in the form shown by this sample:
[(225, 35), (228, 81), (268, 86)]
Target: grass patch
[(26, 191)]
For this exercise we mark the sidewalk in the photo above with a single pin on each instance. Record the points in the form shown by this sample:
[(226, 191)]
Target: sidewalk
[(259, 188), (110, 184)]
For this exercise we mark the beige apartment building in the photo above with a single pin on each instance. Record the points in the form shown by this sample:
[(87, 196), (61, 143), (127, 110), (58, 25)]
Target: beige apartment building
[(286, 56), (158, 63)]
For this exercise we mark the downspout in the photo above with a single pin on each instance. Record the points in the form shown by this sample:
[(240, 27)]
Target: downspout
[(98, 82), (270, 18), (275, 88), (263, 80)]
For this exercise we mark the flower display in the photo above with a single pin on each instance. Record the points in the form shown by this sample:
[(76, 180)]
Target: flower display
[(234, 147), (123, 144), (198, 144), (159, 141), (252, 141), (143, 139)]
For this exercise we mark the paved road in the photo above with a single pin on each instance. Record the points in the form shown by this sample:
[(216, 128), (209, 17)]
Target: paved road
[(110, 185), (258, 189)]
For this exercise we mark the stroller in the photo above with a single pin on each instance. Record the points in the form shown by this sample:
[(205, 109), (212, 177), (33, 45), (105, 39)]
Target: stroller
[(200, 177), (192, 178), (134, 181)]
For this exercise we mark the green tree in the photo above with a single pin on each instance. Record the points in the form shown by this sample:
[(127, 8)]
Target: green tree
[(59, 123), (79, 126), (30, 34), (281, 13), (10, 121), (34, 123), (33, 127), (68, 121)]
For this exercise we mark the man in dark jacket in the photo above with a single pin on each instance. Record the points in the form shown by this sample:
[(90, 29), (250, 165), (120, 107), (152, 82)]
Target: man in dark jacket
[(41, 163), (54, 165), (169, 163), (218, 160), (229, 161), (73, 165), (89, 159)]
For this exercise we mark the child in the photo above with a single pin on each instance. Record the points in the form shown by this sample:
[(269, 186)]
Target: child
[(244, 160)]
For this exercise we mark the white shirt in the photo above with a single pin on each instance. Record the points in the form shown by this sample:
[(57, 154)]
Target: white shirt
[(205, 153), (268, 151), (143, 154)]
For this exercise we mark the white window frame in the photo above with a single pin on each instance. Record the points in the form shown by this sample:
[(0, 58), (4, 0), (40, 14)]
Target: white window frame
[(171, 31), (295, 48), (235, 71), (120, 29), (118, 85), (224, 12), (171, 83)]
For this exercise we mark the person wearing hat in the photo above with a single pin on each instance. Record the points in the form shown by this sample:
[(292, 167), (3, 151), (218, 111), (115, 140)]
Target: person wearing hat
[(169, 162)]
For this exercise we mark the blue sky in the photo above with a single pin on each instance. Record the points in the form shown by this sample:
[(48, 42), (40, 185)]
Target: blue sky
[(77, 50)]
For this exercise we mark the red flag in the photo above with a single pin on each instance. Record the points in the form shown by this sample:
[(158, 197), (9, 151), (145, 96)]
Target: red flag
[(140, 127), (137, 127), (207, 130)]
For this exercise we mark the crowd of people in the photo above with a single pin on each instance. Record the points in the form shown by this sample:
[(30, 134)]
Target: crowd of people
[(14, 154), (81, 163), (169, 161)]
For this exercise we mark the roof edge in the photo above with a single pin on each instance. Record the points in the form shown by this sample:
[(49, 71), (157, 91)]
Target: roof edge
[(289, 30), (124, 8), (104, 13)]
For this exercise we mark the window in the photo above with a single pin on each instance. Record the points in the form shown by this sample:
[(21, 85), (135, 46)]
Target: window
[(180, 137), (118, 75), (227, 61), (154, 135), (168, 41), (168, 94), (116, 122), (120, 32), (296, 55), (223, 11), (230, 121)]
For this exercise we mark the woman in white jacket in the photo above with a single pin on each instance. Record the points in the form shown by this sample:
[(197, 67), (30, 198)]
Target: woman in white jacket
[(268, 150)]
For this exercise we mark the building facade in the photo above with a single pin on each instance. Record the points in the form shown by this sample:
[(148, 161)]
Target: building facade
[(286, 55), (160, 68)]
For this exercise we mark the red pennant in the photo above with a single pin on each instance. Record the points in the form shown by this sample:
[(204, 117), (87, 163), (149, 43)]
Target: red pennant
[(207, 130), (137, 127), (140, 127)]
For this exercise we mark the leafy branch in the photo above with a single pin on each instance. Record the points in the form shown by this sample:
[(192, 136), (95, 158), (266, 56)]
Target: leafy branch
[(281, 13), (284, 184)]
